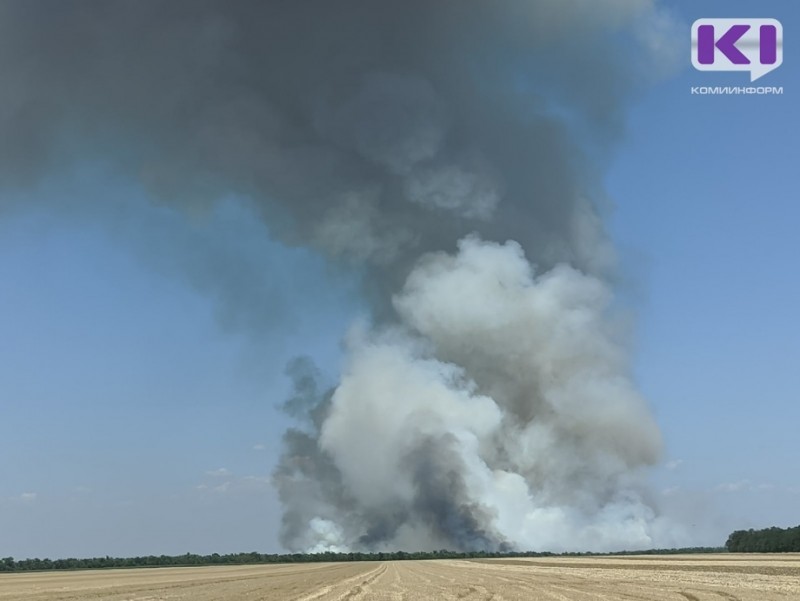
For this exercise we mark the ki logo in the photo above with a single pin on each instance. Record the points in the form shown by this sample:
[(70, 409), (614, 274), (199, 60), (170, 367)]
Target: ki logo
[(754, 45)]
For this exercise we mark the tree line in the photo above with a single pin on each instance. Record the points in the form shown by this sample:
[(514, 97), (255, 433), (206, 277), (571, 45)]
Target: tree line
[(768, 540), (9, 564)]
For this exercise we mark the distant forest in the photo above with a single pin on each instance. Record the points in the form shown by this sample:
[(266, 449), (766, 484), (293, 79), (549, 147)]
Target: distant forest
[(9, 564), (768, 540)]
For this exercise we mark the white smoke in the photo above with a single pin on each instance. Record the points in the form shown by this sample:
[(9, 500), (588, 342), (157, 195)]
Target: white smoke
[(516, 385)]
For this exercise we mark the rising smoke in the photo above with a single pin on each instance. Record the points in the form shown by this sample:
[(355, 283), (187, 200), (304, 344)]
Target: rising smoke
[(449, 152)]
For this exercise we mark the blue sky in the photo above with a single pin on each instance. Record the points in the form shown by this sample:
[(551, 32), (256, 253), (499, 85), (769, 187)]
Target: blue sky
[(706, 195), (138, 403)]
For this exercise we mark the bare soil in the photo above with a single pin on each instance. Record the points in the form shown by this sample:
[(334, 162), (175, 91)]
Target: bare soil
[(647, 578)]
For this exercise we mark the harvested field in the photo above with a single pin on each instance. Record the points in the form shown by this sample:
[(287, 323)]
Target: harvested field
[(631, 578)]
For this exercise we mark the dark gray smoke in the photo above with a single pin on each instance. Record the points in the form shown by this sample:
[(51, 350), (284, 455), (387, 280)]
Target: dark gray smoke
[(448, 150)]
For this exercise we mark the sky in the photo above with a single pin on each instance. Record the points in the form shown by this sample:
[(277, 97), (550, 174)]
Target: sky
[(139, 406)]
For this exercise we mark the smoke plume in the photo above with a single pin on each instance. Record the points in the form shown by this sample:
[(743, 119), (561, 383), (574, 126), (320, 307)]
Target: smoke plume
[(449, 152)]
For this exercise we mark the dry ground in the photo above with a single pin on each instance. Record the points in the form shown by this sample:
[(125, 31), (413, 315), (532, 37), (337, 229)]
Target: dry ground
[(646, 578)]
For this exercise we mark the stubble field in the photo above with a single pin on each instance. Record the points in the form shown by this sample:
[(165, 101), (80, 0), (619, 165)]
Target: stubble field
[(727, 577)]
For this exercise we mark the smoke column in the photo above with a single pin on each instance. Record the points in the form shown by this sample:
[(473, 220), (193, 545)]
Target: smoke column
[(450, 152)]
